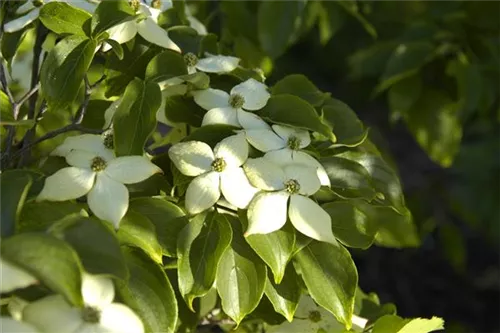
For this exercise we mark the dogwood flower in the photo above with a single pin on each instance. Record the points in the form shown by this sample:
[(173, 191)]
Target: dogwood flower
[(282, 145), (9, 325), (94, 170), (215, 171), (311, 318), (32, 10), (148, 27), (211, 63), (13, 277), (224, 108), (53, 314), (289, 188)]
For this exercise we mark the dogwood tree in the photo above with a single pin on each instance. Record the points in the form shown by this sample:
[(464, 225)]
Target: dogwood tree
[(151, 183)]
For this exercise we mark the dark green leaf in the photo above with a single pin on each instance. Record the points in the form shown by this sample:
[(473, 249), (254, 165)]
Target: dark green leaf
[(137, 230), (291, 110), (64, 68), (149, 293), (38, 216), (14, 186), (10, 43), (166, 65), (301, 86), (350, 225), (116, 47), (183, 109), (370, 62), (199, 249), (241, 277), (110, 13), (348, 179), (331, 278), (276, 25), (167, 218), (344, 123), (63, 18), (211, 134), (286, 295), (404, 94), (49, 259), (186, 38), (135, 117), (97, 247), (351, 7)]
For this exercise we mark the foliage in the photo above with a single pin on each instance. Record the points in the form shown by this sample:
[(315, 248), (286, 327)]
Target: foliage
[(243, 209)]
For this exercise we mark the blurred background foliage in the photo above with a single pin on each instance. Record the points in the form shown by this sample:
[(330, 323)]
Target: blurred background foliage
[(425, 77)]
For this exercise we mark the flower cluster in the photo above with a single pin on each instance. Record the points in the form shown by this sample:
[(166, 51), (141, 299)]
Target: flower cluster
[(274, 187), (96, 171)]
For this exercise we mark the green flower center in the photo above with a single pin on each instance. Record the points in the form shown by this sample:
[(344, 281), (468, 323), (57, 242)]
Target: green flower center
[(135, 4), (218, 165), (38, 3), (314, 316), (293, 143), (109, 141), (190, 59), (292, 186), (98, 164), (236, 101), (156, 4), (91, 315)]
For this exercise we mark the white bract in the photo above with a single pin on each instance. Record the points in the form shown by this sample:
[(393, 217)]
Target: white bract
[(211, 63), (147, 27), (282, 145), (53, 314), (224, 108), (13, 277), (287, 190), (97, 172), (9, 325), (215, 171), (311, 318), (33, 12)]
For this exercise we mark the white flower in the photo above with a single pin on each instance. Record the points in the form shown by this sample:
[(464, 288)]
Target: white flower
[(95, 171), (224, 108), (33, 12), (13, 277), (194, 22), (283, 146), (215, 171), (9, 325), (309, 318), (53, 314), (211, 63), (148, 28), (290, 188)]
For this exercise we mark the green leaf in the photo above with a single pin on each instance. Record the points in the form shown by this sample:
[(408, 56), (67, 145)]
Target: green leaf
[(211, 134), (167, 218), (198, 80), (241, 277), (10, 43), (291, 110), (276, 25), (350, 225), (434, 123), (14, 186), (137, 230), (149, 293), (38, 216), (284, 296), (110, 13), (64, 68), (348, 179), (135, 117), (275, 249), (183, 109), (395, 324), (63, 18), (199, 249), (166, 65), (344, 123), (351, 7), (405, 61), (370, 62), (331, 278), (404, 94), (299, 85), (186, 38), (383, 178), (116, 47), (97, 247), (50, 260)]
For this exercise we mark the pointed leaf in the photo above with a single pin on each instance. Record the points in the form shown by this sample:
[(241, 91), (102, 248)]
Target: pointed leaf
[(110, 13), (344, 123), (63, 18), (299, 85), (14, 186), (166, 65), (286, 295)]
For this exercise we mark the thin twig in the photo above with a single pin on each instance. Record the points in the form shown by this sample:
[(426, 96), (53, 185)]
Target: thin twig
[(3, 80)]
